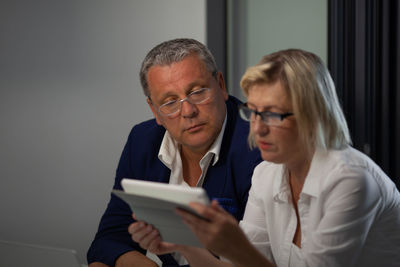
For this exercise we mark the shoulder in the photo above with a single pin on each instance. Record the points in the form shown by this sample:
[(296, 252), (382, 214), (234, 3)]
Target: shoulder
[(139, 156), (236, 130), (146, 132), (145, 137), (352, 162), (265, 173), (147, 127), (349, 169)]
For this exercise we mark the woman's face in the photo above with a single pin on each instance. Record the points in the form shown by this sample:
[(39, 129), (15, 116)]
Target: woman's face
[(279, 143)]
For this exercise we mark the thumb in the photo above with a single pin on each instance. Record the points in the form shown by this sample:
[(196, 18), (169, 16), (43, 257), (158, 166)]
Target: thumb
[(215, 206)]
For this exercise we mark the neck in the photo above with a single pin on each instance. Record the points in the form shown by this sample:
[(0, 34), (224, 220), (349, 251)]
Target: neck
[(298, 170), (192, 155), (191, 169)]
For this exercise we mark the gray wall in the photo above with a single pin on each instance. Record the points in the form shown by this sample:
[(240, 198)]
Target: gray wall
[(260, 27), (69, 94)]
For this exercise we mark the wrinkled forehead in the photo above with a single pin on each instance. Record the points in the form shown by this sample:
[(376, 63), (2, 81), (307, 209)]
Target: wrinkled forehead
[(178, 76)]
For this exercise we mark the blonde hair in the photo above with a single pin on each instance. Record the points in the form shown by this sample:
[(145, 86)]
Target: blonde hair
[(307, 82)]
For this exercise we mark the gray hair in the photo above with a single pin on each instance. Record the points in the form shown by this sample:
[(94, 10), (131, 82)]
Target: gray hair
[(172, 51), (308, 84)]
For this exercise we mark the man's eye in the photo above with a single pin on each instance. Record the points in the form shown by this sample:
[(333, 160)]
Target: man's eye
[(169, 103), (197, 92)]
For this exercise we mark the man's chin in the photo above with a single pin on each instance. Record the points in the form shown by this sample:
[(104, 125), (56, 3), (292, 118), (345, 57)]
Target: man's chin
[(197, 143)]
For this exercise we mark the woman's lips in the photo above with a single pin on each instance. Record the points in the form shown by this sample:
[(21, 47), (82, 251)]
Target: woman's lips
[(264, 145)]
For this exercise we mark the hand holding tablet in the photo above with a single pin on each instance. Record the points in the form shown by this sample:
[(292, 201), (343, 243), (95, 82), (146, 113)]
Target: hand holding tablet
[(155, 203)]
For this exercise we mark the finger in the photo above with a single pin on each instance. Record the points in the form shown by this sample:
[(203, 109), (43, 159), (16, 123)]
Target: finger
[(199, 208), (151, 238), (163, 247), (136, 226), (215, 206), (141, 234), (187, 216), (196, 224), (207, 212), (155, 245), (134, 216)]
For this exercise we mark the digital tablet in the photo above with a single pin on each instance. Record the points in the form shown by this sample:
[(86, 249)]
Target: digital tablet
[(155, 203)]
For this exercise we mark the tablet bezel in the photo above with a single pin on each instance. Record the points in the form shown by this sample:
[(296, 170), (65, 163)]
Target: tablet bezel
[(169, 192)]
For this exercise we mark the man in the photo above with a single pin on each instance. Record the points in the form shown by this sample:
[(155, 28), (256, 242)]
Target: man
[(196, 139)]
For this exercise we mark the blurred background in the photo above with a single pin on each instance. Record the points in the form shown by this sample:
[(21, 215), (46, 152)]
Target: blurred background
[(70, 91)]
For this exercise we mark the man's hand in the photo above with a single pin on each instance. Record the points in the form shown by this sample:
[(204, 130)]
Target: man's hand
[(134, 259), (97, 264), (129, 259), (149, 238)]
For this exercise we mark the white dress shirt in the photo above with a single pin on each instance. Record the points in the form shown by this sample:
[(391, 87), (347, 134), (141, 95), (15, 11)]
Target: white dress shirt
[(170, 156), (349, 213)]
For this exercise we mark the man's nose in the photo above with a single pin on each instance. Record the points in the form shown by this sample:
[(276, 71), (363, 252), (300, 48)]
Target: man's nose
[(188, 109)]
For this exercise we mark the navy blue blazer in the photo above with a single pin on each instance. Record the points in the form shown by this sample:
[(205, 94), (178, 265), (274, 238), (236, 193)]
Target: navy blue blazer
[(228, 181)]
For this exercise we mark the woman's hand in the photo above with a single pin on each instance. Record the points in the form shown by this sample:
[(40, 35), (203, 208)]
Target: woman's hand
[(219, 232), (149, 238)]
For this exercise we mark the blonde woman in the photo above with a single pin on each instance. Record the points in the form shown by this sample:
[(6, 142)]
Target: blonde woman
[(314, 201)]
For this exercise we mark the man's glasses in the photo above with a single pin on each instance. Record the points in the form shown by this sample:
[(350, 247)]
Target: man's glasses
[(268, 117), (173, 107)]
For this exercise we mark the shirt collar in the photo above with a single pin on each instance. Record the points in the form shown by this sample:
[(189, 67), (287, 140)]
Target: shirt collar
[(281, 189), (317, 169), (216, 146), (169, 147), (311, 187)]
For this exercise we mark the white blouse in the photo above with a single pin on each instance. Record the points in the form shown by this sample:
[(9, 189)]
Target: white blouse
[(349, 213)]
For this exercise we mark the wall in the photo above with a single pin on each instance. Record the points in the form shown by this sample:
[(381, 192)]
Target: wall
[(69, 94), (260, 27)]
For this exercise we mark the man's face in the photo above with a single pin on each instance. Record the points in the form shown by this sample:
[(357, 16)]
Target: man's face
[(197, 125)]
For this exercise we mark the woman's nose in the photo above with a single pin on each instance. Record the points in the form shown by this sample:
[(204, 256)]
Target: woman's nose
[(259, 126)]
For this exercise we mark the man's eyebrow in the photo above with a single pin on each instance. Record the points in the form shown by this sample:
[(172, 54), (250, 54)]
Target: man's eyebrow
[(167, 94), (190, 86), (196, 83)]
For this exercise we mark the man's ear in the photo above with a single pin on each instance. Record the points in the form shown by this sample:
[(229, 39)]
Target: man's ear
[(154, 110), (221, 83)]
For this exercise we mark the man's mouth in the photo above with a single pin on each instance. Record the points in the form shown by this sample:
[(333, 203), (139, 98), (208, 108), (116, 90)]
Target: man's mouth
[(195, 128)]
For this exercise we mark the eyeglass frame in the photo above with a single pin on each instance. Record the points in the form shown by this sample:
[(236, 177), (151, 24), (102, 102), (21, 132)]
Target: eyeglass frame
[(180, 101), (264, 115)]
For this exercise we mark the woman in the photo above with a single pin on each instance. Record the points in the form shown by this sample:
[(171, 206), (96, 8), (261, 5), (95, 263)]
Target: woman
[(314, 201)]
